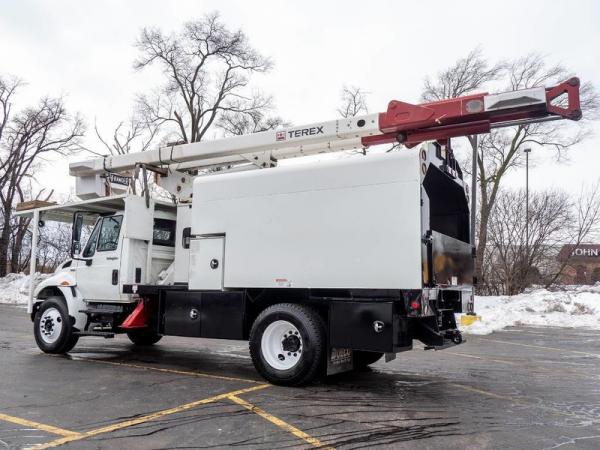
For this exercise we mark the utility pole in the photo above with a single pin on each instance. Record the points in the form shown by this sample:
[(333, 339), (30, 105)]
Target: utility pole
[(527, 151), (474, 191)]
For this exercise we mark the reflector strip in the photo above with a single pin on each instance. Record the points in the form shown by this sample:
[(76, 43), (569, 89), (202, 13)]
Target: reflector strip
[(515, 99)]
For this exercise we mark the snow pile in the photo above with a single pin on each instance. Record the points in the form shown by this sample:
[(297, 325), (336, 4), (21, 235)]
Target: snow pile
[(571, 306), (14, 287)]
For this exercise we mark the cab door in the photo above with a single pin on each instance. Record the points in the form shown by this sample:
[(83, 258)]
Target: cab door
[(98, 275)]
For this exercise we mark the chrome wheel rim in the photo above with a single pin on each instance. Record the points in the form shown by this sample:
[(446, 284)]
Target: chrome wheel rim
[(281, 345), (51, 325)]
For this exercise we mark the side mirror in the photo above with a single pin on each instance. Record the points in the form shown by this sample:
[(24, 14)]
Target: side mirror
[(77, 225), (76, 234)]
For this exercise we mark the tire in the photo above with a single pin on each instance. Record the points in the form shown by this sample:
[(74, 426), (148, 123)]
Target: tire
[(363, 359), (288, 344), (71, 343), (52, 327), (144, 337)]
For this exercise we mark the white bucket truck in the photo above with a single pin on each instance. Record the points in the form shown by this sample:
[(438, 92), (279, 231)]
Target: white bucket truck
[(323, 267)]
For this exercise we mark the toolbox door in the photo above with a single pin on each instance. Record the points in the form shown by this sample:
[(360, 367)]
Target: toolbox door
[(207, 262)]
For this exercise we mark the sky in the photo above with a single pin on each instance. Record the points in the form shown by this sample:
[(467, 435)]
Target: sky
[(84, 51)]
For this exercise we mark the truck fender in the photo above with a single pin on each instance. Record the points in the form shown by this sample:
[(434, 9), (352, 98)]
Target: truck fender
[(63, 284)]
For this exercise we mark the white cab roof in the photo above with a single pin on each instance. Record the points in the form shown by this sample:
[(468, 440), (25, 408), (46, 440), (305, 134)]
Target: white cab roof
[(102, 205)]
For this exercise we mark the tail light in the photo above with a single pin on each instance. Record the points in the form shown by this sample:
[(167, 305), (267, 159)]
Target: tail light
[(414, 303)]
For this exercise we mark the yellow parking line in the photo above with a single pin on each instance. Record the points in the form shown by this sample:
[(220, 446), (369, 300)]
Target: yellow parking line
[(37, 425), (277, 421), (175, 371), (489, 394), (519, 401), (564, 350), (502, 361), (147, 417), (553, 370)]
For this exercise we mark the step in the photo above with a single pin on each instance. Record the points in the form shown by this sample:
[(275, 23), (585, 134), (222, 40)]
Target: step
[(104, 334), (109, 309)]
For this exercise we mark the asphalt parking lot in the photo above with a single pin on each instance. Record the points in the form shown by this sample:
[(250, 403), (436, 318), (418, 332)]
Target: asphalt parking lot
[(525, 388)]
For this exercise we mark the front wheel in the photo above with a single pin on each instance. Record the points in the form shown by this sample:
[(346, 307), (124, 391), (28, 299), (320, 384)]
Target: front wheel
[(288, 344), (52, 327)]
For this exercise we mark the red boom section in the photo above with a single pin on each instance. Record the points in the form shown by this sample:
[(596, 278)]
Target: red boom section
[(412, 124)]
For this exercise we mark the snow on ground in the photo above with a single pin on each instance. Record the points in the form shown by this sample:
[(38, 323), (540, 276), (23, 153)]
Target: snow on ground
[(14, 287), (568, 306)]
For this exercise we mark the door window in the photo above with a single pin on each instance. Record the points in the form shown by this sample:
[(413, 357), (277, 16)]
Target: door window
[(90, 247), (109, 233)]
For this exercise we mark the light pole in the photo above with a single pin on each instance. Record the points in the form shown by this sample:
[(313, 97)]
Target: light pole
[(473, 190), (527, 151)]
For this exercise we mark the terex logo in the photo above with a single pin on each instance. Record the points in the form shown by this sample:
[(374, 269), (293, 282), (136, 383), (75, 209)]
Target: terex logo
[(281, 135)]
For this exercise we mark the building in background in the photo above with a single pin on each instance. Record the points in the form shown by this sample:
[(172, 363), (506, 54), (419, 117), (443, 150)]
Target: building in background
[(583, 264)]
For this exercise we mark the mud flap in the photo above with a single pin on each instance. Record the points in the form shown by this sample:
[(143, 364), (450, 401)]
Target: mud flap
[(138, 318), (339, 360)]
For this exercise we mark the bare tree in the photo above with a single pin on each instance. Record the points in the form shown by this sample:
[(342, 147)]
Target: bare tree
[(513, 261), (26, 137), (134, 135), (353, 102), (54, 246), (468, 74), (501, 150), (20, 227), (236, 124), (208, 69)]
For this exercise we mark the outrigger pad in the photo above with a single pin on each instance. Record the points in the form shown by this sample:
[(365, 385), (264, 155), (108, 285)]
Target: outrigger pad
[(138, 318)]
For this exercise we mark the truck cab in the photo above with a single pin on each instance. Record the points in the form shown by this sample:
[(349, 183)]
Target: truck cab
[(116, 241), (109, 258)]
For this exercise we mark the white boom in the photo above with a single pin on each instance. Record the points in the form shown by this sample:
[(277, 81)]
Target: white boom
[(402, 122), (335, 135)]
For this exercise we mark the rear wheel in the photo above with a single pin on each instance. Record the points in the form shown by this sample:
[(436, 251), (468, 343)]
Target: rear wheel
[(52, 327), (287, 344), (144, 337), (363, 359)]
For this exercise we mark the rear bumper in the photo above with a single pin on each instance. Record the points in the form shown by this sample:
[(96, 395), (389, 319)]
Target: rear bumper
[(438, 334), (389, 327), (437, 327)]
